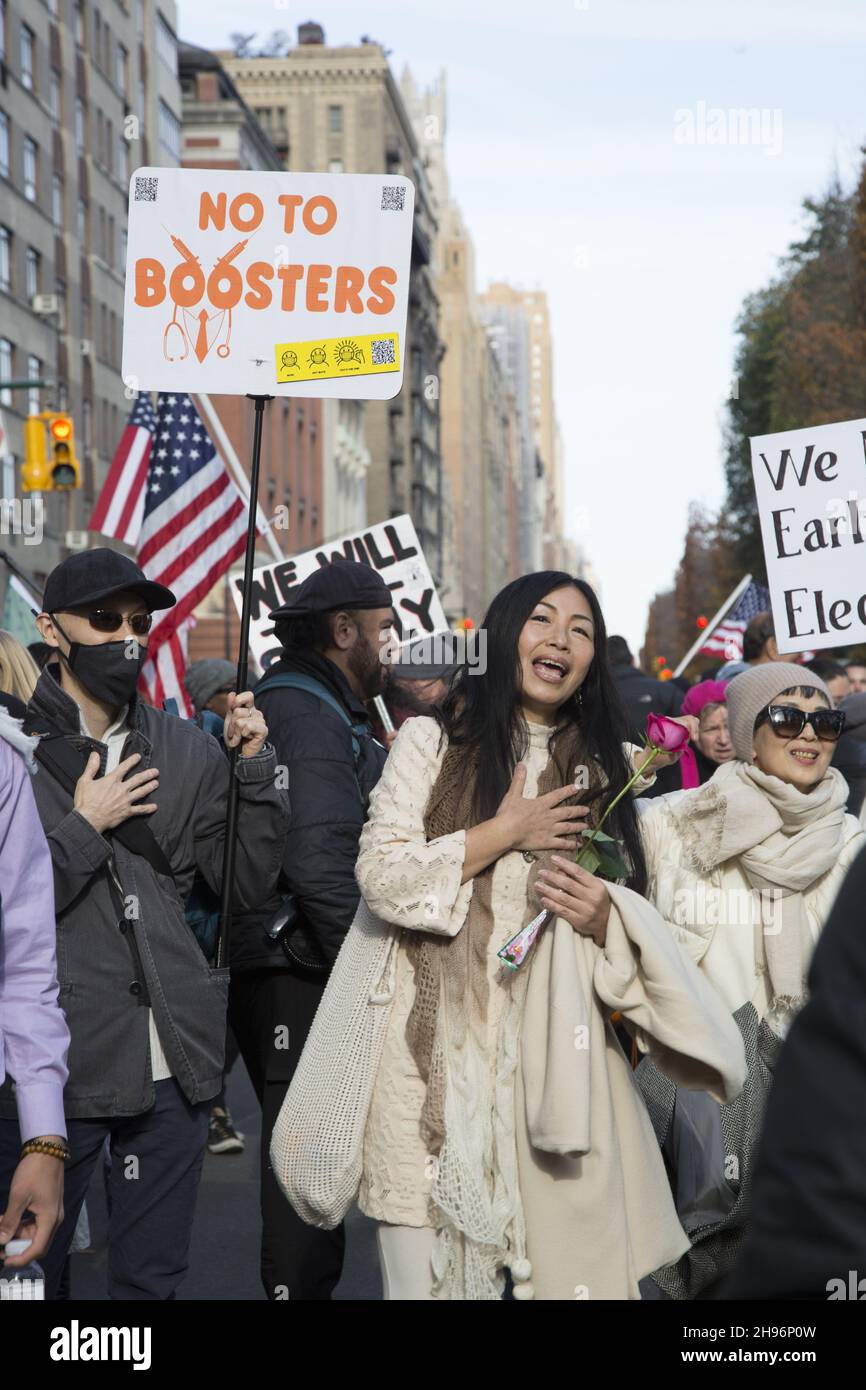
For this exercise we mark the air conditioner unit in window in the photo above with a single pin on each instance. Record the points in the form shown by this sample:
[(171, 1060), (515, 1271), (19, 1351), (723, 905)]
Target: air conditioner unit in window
[(85, 347), (45, 304)]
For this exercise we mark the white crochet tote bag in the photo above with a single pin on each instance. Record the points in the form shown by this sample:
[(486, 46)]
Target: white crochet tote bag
[(317, 1142)]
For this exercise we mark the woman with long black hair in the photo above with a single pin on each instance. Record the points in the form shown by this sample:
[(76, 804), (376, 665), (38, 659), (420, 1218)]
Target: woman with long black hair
[(485, 1116)]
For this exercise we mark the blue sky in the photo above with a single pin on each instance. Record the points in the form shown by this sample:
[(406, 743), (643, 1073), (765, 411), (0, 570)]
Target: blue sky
[(562, 153)]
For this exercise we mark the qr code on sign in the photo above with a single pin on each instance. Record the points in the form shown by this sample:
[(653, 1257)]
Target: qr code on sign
[(145, 190), (393, 197), (382, 352)]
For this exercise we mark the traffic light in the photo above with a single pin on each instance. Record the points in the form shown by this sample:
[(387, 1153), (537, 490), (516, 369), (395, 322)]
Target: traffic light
[(50, 464), (62, 463), (35, 476)]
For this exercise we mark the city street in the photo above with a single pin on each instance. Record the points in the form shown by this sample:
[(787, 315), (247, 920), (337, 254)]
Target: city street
[(224, 1259)]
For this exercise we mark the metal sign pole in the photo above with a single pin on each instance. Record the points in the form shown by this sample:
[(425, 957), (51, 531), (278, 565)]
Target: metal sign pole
[(234, 786)]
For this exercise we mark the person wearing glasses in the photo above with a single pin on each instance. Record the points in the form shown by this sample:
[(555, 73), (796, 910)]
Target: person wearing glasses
[(745, 870), (133, 802)]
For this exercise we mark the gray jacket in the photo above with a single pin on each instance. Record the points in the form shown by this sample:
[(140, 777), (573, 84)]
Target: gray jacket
[(116, 948)]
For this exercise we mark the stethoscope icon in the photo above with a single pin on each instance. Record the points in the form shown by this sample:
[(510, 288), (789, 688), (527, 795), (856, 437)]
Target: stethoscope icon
[(223, 349)]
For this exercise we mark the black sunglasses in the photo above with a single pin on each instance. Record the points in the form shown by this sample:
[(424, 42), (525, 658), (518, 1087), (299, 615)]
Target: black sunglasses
[(787, 721), (106, 620)]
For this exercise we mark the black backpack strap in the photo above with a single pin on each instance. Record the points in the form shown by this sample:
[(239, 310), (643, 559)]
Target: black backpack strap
[(66, 764)]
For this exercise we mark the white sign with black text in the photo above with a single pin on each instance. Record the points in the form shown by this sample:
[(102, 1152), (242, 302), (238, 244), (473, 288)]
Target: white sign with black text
[(811, 490), (391, 547)]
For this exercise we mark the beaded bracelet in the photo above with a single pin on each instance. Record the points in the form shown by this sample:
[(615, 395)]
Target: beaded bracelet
[(46, 1146)]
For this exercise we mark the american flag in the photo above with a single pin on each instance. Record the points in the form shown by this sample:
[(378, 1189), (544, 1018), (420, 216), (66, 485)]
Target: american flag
[(727, 638), (192, 525), (120, 507)]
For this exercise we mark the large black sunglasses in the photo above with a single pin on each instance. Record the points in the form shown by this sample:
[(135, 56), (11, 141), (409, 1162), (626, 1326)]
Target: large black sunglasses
[(787, 721), (106, 620)]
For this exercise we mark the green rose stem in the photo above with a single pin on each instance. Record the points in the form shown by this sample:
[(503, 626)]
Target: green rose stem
[(515, 951), (627, 788)]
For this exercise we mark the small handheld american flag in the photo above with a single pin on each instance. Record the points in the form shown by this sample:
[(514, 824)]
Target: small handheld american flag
[(727, 639), (169, 494)]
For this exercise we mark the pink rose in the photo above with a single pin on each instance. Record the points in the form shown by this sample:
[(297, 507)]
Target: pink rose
[(665, 734)]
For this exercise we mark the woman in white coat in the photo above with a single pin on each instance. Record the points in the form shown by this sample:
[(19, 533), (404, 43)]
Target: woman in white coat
[(745, 870), (487, 1117)]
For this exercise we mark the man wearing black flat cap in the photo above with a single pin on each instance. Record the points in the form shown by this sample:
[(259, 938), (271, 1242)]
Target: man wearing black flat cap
[(133, 804), (332, 631)]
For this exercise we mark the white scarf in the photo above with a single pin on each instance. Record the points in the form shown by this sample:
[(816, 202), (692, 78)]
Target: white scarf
[(784, 840)]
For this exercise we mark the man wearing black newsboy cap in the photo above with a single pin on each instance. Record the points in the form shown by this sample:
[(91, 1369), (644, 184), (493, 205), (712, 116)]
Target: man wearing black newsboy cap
[(332, 631), (133, 803)]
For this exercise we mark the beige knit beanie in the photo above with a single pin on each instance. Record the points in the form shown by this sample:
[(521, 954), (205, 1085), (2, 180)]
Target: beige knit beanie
[(752, 690)]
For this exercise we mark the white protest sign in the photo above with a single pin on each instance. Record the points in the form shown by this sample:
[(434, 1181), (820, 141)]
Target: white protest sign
[(811, 491), (265, 283), (390, 547)]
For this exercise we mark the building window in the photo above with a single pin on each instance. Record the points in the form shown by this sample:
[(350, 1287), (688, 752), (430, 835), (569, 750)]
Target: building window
[(4, 144), (100, 132), (142, 100), (30, 169), (54, 96), (97, 38), (109, 250), (87, 423), (34, 372), (80, 32), (166, 44), (168, 127), (54, 8), (31, 273), (80, 126), (121, 68), (139, 17), (81, 222), (3, 36), (122, 158), (335, 119), (6, 359), (28, 49), (123, 244), (57, 200), (5, 259)]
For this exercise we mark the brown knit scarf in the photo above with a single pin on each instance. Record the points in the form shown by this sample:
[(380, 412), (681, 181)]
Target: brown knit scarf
[(458, 965)]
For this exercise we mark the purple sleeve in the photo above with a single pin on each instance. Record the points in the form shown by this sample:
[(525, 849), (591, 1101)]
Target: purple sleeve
[(34, 1038)]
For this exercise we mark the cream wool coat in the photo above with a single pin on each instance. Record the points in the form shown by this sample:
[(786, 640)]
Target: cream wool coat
[(714, 915)]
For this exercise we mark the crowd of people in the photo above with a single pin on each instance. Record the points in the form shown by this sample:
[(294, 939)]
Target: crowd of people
[(618, 1116)]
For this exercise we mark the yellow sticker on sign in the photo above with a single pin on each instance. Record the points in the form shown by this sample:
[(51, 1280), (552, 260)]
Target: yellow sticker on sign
[(364, 355)]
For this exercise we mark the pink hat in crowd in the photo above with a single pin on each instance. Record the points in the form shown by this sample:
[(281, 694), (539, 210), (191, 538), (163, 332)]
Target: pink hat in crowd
[(705, 693)]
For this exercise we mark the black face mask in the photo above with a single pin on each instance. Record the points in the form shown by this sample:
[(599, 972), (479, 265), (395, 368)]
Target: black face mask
[(109, 672)]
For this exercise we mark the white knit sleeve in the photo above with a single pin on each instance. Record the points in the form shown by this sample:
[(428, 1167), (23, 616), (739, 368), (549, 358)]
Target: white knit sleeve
[(405, 878), (636, 756)]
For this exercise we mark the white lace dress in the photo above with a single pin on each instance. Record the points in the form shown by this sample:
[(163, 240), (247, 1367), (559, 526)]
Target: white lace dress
[(420, 879)]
